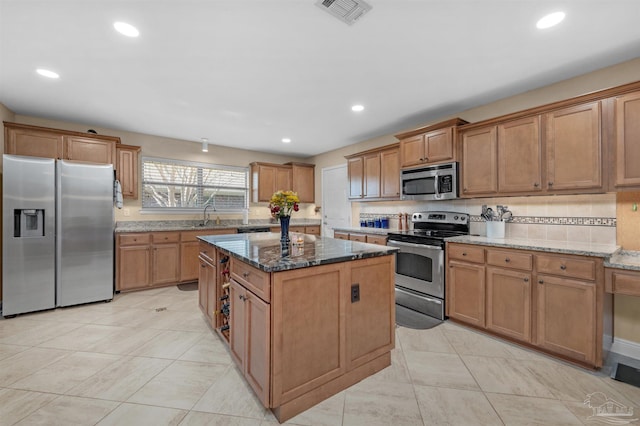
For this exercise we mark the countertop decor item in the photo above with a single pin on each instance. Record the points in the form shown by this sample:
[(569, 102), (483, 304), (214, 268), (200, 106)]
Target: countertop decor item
[(282, 204)]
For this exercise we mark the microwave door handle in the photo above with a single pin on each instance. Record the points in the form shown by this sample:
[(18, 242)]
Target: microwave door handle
[(436, 185)]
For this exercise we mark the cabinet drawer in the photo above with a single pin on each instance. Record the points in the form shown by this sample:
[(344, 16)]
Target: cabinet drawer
[(358, 237), (377, 239), (312, 230), (208, 252), (165, 237), (253, 279), (466, 253), (134, 239), (340, 235), (510, 259), (623, 282), (567, 266)]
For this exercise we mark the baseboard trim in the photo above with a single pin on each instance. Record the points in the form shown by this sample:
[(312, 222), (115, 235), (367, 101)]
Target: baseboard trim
[(626, 348)]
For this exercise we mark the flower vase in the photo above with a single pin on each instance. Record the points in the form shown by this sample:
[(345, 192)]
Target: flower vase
[(284, 230)]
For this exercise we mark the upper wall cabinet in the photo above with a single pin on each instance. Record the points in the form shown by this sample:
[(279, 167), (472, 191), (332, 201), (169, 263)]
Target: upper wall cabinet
[(303, 181), (127, 169), (375, 174), (267, 178), (429, 145), (626, 141), (574, 149), (555, 152), (22, 139)]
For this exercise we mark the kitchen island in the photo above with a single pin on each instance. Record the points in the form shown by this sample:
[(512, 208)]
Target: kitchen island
[(304, 322)]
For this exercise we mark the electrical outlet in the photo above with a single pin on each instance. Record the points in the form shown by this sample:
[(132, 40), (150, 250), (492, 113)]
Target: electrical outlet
[(126, 212), (355, 293), (634, 207)]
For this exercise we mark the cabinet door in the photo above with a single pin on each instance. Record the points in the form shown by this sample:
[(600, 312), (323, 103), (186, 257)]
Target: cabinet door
[(90, 150), (465, 289), (189, 264), (264, 182), (257, 345), (372, 176), (203, 287), (303, 182), (566, 311), (133, 267), (165, 263), (355, 168), (283, 180), (439, 145), (520, 156), (127, 170), (479, 161), (412, 151), (390, 173), (33, 143), (627, 140), (509, 303), (237, 329), (574, 149)]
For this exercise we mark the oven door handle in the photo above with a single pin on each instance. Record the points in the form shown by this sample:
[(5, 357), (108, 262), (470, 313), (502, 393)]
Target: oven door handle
[(419, 246)]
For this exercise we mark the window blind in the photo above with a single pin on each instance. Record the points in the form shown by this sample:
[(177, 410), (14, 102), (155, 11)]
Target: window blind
[(174, 184)]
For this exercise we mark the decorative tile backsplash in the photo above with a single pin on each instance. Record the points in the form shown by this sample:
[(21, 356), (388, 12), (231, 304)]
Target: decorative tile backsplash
[(548, 220)]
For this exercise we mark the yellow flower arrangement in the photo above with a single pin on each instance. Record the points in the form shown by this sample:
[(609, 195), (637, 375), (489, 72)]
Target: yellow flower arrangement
[(283, 202)]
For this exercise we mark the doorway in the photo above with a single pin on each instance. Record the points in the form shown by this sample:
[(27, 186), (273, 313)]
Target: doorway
[(336, 207)]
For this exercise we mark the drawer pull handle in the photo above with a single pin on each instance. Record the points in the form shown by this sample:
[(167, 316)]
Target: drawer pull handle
[(526, 280), (245, 274), (507, 260), (563, 267), (464, 254), (540, 282)]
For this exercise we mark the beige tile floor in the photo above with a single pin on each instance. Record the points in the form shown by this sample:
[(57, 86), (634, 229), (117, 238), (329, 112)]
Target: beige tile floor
[(124, 363)]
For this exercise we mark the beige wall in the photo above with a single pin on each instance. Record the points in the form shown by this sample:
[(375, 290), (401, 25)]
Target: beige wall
[(156, 146)]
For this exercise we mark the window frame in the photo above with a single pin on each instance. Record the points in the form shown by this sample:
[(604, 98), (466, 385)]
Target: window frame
[(199, 188)]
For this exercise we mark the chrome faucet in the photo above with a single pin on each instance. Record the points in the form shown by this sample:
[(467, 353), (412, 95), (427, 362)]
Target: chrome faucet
[(205, 218)]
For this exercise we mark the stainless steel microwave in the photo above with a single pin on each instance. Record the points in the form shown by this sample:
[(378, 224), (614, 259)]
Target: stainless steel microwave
[(437, 182)]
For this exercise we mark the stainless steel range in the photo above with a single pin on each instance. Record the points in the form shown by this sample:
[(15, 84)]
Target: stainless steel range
[(420, 261)]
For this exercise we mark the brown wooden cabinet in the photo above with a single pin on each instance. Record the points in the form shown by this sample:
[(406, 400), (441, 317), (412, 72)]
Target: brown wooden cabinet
[(165, 258), (267, 178), (622, 281), (574, 149), (207, 297), (551, 301), (303, 181), (626, 141), (374, 174), (520, 156), (341, 235), (429, 145), (479, 169), (308, 229), (35, 141), (127, 169), (133, 260)]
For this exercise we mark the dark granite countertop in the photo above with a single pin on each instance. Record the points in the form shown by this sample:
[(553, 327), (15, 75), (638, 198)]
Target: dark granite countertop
[(263, 250), (566, 247), (190, 225)]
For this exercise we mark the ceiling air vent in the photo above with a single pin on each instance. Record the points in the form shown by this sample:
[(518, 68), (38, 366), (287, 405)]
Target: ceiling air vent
[(348, 11)]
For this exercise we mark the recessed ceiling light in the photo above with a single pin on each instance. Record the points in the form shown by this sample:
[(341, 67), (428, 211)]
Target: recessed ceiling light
[(47, 73), (286, 140), (126, 29), (357, 108), (550, 20)]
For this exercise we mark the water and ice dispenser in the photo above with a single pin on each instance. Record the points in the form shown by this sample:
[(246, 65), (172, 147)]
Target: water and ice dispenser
[(28, 223)]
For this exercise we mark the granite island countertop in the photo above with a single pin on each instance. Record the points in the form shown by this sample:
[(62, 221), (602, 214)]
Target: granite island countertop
[(190, 225), (263, 250), (552, 246)]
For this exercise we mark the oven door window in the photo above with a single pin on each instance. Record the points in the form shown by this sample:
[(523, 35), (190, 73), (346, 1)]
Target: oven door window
[(414, 266), (419, 186)]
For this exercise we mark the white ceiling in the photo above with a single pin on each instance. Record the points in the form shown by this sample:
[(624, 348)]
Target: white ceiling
[(246, 73)]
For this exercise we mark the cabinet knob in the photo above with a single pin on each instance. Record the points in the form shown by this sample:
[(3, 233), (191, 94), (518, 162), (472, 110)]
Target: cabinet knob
[(507, 260), (550, 183), (540, 282), (422, 159), (563, 267), (426, 158), (536, 184), (464, 254), (465, 189), (526, 280), (245, 274)]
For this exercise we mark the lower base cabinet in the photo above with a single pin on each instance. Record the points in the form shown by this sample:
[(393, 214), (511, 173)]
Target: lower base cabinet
[(554, 302), (303, 339)]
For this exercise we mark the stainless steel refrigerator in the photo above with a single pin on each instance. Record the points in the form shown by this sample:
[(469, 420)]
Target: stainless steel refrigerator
[(57, 246)]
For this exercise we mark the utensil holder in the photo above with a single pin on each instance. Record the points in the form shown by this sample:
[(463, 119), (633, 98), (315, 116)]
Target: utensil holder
[(495, 229)]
